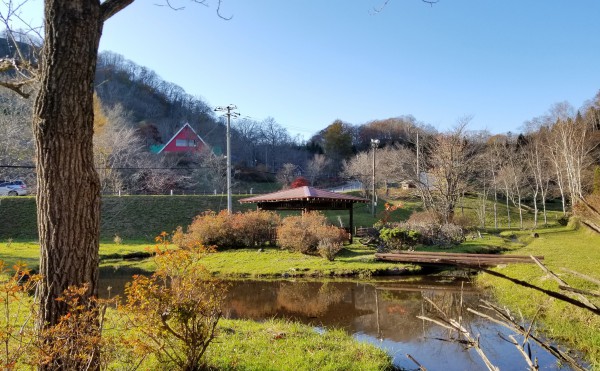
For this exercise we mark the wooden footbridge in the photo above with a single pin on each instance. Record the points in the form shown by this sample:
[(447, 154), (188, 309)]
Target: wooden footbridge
[(457, 259)]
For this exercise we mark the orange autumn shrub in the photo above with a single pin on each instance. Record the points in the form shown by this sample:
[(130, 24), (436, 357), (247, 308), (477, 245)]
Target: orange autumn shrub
[(304, 233), (223, 230)]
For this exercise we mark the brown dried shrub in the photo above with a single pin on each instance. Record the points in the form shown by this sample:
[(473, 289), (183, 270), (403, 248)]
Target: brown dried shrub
[(225, 230), (303, 233)]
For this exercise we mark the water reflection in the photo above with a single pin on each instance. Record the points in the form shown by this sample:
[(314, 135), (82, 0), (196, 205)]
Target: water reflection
[(383, 312), (385, 309)]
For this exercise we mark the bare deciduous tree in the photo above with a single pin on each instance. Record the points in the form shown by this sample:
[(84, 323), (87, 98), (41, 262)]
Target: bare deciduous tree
[(316, 167), (286, 175), (116, 148), (450, 166), (360, 167), (16, 140)]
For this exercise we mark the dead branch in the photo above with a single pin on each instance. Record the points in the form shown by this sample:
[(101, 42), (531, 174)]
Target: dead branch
[(439, 323), (444, 315), (533, 364), (475, 343), (385, 3), (550, 293), (582, 298), (453, 325), (508, 322), (17, 87), (581, 275), (19, 70), (168, 4), (579, 291), (421, 367)]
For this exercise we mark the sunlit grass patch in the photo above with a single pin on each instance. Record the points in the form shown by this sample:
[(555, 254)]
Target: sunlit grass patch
[(274, 262), (282, 345)]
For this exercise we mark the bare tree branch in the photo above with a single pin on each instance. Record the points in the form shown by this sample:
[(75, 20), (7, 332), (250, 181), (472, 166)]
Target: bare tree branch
[(168, 3), (385, 3), (581, 275), (112, 7), (562, 283), (17, 87)]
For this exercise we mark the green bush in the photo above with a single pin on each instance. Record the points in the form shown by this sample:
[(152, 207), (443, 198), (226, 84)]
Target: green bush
[(303, 233), (399, 238)]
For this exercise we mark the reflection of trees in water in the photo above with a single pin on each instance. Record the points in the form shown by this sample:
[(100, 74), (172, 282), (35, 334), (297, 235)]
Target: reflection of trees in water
[(250, 299), (308, 299), (452, 304), (255, 299), (389, 311)]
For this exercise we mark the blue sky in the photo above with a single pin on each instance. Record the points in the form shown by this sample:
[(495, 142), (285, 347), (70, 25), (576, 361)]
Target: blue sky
[(309, 62)]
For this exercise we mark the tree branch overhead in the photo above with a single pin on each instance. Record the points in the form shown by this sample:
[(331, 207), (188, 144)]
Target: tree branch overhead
[(112, 7)]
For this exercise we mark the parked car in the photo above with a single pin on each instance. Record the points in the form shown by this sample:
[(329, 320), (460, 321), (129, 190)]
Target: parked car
[(13, 188)]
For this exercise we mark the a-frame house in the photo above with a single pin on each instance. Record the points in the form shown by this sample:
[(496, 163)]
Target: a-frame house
[(185, 140)]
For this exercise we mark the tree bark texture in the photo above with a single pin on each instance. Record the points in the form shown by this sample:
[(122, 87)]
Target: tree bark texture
[(68, 194)]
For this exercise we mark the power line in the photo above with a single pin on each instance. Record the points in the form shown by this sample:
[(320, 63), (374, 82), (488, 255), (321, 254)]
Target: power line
[(138, 168)]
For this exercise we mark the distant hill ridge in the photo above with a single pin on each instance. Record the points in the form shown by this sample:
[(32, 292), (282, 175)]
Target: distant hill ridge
[(152, 100)]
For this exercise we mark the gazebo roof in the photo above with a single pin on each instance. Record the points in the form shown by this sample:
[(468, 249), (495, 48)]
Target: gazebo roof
[(306, 198), (307, 194)]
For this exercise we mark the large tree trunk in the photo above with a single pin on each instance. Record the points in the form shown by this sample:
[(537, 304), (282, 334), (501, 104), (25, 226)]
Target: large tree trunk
[(68, 193)]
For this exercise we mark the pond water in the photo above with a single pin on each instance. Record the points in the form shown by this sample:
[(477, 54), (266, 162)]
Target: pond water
[(382, 312)]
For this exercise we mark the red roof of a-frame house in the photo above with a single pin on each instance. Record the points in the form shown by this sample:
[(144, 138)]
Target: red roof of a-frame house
[(185, 140)]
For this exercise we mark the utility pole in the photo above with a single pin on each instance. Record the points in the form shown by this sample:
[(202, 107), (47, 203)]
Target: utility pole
[(374, 145), (228, 114), (418, 168)]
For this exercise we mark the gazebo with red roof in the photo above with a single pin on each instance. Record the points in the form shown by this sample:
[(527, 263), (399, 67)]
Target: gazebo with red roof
[(306, 199)]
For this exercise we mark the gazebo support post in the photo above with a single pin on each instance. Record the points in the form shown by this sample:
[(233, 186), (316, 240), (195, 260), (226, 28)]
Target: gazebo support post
[(351, 209)]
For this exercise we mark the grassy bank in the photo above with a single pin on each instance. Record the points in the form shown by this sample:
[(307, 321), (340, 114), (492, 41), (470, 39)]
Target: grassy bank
[(267, 263), (141, 218), (270, 262), (281, 345), (563, 248), (111, 254), (130, 217)]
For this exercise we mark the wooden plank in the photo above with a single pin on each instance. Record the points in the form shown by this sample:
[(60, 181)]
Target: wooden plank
[(454, 259), (460, 259), (427, 253)]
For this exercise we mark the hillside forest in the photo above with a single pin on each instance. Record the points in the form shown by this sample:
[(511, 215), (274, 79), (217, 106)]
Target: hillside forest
[(554, 158)]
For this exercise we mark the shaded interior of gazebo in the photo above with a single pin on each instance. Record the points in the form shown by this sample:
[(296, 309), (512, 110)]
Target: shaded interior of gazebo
[(307, 199)]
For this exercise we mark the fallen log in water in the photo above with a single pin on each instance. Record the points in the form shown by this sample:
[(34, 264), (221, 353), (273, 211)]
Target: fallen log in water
[(461, 259)]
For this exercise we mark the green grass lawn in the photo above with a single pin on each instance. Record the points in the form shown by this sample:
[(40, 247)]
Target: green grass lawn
[(576, 250), (270, 262), (281, 345), (273, 262), (28, 252)]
